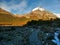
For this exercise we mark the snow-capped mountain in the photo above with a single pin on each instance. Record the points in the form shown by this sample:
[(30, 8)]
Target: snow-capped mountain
[(38, 8), (41, 13)]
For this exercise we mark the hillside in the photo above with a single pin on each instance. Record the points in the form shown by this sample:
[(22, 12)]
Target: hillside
[(7, 18)]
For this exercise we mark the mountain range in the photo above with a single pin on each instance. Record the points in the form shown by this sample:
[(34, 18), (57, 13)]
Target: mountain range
[(9, 19)]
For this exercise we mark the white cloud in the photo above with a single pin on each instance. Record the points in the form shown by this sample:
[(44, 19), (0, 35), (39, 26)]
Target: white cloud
[(11, 5)]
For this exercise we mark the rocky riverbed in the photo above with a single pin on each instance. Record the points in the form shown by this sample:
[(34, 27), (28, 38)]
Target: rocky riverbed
[(43, 35)]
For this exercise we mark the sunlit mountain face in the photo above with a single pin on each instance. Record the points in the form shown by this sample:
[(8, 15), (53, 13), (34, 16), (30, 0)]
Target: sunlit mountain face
[(18, 20), (41, 13), (7, 18)]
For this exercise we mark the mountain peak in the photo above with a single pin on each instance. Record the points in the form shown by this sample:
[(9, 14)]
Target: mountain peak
[(38, 8)]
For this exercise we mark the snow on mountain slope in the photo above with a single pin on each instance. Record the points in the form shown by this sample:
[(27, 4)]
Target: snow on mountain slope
[(58, 15), (38, 8)]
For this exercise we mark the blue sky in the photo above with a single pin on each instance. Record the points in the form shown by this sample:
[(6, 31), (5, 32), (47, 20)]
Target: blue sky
[(25, 6)]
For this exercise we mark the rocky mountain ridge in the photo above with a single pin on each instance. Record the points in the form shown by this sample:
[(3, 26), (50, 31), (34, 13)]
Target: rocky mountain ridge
[(17, 20)]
